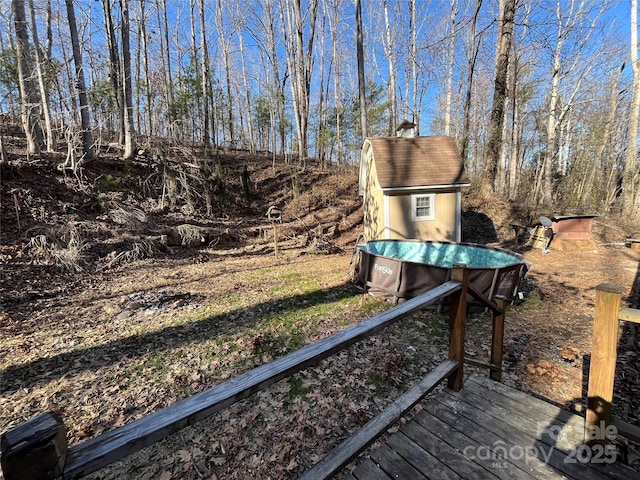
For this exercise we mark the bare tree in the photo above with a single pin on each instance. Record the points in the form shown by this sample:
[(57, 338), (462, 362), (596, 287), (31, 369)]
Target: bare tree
[(580, 21), (28, 96), (510, 185), (389, 53), (334, 20), (451, 60), (629, 179), (472, 58), (115, 70), (205, 81), (494, 147), (224, 43), (240, 25), (129, 127), (143, 48), (277, 88), (322, 108), (196, 119), (87, 139), (518, 97), (49, 55), (163, 25), (362, 92), (413, 60), (598, 158), (44, 95), (300, 64), (264, 14)]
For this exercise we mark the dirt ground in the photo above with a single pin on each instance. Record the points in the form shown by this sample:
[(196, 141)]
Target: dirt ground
[(111, 341)]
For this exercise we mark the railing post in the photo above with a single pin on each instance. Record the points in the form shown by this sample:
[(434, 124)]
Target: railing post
[(497, 338), (457, 321), (603, 361), (35, 449)]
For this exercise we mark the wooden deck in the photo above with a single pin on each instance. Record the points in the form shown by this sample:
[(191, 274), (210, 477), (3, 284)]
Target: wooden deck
[(489, 431)]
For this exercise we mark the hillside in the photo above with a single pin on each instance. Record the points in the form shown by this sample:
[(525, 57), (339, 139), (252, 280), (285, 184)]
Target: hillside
[(111, 212)]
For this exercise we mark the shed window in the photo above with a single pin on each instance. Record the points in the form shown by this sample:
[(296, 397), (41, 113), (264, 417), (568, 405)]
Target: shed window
[(422, 207)]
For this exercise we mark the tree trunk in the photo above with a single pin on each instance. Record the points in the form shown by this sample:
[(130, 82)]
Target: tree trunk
[(278, 88), (44, 95), (500, 182), (496, 124), (227, 68), (546, 193), (196, 116), (305, 65), (322, 109), (449, 82), (87, 139), (247, 91), (49, 31), (163, 24), (291, 61), (129, 128), (473, 55), (147, 84), (300, 66), (629, 207), (514, 157), (206, 85), (337, 84), (511, 175), (138, 74), (388, 50), (28, 96), (413, 28), (4, 158), (362, 92), (115, 73)]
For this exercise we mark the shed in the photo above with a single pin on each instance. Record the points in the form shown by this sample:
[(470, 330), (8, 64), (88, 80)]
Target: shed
[(573, 227), (411, 188)]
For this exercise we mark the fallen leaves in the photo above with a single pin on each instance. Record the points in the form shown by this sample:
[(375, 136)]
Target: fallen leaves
[(570, 353), (543, 367), (118, 370), (184, 455)]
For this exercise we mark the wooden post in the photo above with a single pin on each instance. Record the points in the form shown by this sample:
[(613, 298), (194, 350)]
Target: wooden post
[(4, 159), (275, 239), (457, 321), (36, 449), (497, 338), (603, 361), (274, 215)]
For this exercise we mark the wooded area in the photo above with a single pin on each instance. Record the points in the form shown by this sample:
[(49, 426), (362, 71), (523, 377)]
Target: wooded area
[(560, 128)]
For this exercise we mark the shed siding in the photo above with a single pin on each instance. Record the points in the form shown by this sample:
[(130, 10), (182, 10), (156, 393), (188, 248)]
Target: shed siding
[(442, 228), (374, 202)]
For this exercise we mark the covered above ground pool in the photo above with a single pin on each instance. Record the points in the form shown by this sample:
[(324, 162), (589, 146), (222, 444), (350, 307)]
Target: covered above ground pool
[(401, 269)]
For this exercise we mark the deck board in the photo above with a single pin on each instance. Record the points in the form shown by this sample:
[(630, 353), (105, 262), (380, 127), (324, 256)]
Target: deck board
[(444, 453), (395, 465), (458, 440), (487, 437), (461, 435), (368, 470)]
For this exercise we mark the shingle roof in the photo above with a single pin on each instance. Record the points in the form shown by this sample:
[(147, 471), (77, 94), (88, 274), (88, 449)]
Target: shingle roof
[(417, 162)]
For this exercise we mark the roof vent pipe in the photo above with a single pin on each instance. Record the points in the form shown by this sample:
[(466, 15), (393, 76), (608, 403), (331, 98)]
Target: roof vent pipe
[(407, 129)]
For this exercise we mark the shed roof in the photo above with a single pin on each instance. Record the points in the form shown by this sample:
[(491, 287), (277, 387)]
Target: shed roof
[(417, 162)]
